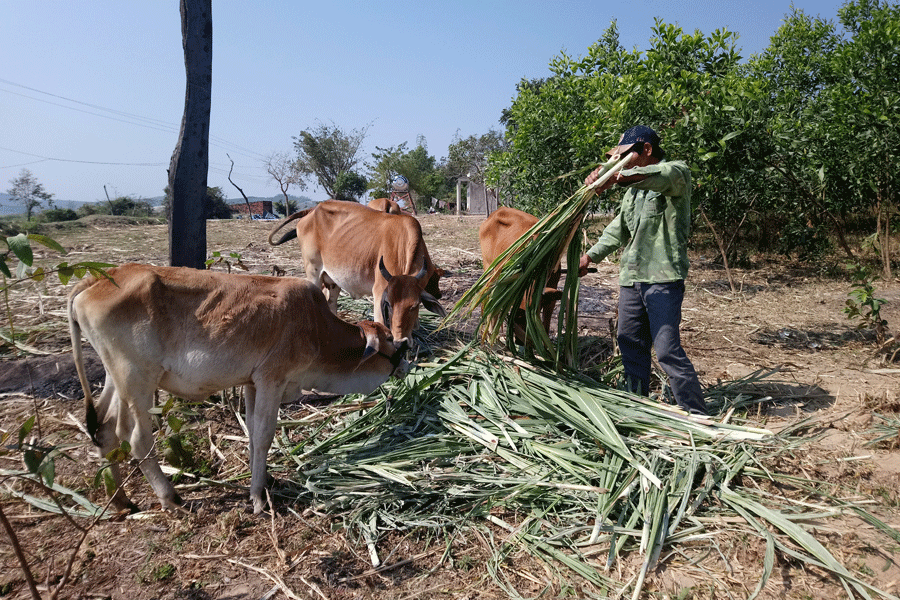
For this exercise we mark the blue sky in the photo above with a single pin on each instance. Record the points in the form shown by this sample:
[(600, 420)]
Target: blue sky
[(92, 94)]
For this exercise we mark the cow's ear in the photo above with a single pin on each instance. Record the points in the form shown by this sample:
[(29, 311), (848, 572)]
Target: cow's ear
[(430, 303), (386, 310), (370, 331)]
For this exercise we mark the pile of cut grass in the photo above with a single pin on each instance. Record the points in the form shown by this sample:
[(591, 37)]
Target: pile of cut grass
[(575, 472)]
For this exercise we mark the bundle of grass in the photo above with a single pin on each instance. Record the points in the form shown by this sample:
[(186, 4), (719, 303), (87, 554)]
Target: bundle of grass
[(526, 265)]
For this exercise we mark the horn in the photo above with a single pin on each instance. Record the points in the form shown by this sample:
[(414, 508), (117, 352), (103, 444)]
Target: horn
[(384, 272), (422, 272)]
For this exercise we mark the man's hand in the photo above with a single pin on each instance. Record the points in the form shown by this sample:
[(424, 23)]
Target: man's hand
[(595, 174), (583, 265)]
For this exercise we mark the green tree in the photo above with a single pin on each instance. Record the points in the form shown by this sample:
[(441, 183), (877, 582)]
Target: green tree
[(288, 207), (131, 207), (789, 147), (325, 152), (426, 180), (686, 86), (29, 192), (214, 204), (54, 215), (793, 71), (469, 157), (350, 185), (833, 125), (561, 125), (861, 111), (91, 209)]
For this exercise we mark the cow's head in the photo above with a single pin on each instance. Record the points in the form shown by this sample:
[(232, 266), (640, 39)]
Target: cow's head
[(401, 300), (380, 347)]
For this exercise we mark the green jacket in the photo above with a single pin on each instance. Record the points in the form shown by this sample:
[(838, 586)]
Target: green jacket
[(653, 224)]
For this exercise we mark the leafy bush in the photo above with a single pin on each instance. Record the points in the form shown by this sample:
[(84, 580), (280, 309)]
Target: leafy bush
[(862, 303), (52, 215), (131, 207)]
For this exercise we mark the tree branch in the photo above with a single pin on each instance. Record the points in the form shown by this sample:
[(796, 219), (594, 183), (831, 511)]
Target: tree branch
[(249, 210), (721, 249), (20, 554)]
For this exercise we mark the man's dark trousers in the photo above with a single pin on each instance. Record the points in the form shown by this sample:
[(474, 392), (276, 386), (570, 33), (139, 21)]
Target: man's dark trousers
[(650, 316)]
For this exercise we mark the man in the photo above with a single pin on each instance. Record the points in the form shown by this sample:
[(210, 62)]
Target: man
[(653, 224)]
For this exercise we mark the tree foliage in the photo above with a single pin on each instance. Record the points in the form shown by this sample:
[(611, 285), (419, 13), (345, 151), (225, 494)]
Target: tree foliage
[(131, 207), (28, 192), (350, 185), (785, 148), (468, 157), (214, 204), (421, 169), (55, 215), (326, 151)]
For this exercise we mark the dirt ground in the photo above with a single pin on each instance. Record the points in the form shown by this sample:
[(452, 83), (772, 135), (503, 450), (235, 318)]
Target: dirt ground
[(782, 318)]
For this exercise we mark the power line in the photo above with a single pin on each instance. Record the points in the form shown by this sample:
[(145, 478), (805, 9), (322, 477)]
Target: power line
[(87, 162), (141, 121), (96, 106), (31, 162)]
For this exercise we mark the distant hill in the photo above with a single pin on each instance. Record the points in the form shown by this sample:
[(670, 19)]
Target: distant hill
[(8, 207)]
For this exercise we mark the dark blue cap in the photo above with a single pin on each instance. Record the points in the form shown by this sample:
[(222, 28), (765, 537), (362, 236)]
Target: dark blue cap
[(638, 134)]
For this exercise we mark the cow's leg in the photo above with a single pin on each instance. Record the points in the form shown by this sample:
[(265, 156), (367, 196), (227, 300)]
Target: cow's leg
[(135, 400), (249, 413), (548, 304), (315, 272), (377, 296), (332, 291), (107, 406), (142, 449), (262, 432)]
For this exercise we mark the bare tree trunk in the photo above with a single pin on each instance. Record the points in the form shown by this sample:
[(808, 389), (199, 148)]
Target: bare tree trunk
[(883, 226), (247, 200), (190, 161), (20, 554)]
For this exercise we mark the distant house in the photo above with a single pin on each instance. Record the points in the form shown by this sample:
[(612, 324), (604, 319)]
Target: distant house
[(261, 209)]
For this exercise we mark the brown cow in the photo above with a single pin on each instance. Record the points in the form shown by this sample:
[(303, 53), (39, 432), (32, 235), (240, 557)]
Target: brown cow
[(497, 233), (385, 205), (193, 333), (348, 246)]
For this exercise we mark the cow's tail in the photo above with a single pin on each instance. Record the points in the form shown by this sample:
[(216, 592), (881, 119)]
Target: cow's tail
[(90, 410), (293, 232)]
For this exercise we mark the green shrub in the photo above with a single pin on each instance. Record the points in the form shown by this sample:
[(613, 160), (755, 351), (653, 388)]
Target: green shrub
[(53, 215)]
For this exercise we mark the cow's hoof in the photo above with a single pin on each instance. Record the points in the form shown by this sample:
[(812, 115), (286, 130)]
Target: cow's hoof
[(174, 504)]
